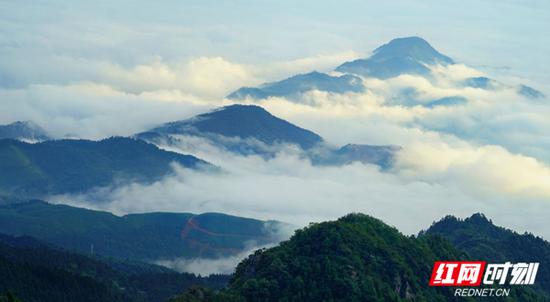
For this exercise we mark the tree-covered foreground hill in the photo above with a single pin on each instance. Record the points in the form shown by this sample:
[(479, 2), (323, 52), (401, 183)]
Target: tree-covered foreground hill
[(481, 239), (36, 272), (356, 258)]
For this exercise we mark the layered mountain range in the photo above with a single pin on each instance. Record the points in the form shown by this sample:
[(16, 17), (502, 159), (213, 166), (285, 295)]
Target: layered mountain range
[(74, 254), (298, 84), (251, 130), (401, 56), (410, 55), (42, 168), (68, 166)]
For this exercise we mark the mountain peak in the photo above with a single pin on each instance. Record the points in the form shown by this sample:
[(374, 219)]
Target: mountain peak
[(410, 47), (478, 219), (240, 108), (408, 55), (240, 121), (405, 42), (478, 224), (344, 258), (24, 131)]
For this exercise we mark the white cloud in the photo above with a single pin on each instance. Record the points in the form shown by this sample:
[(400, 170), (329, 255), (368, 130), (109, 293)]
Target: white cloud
[(449, 74), (94, 98), (95, 111), (206, 266), (490, 170), (489, 117), (205, 77), (430, 180)]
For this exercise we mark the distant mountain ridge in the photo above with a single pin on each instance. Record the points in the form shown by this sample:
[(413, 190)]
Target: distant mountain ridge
[(24, 131), (298, 84), (480, 82), (239, 121), (490, 84), (52, 167), (408, 55), (72, 166), (251, 130), (530, 92), (400, 56), (142, 237), (380, 155)]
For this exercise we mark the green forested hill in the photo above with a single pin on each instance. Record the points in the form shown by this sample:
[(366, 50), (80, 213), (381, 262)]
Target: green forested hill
[(69, 166), (356, 258), (144, 237), (34, 271), (483, 240)]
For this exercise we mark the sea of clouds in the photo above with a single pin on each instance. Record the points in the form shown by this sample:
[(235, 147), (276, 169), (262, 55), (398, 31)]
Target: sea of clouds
[(100, 78)]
